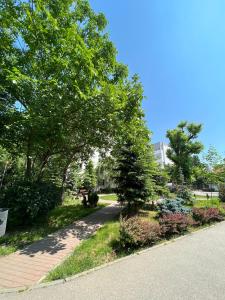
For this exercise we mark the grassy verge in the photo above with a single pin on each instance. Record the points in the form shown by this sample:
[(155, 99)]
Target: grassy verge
[(95, 251), (205, 198), (112, 197), (58, 218), (101, 248), (212, 202)]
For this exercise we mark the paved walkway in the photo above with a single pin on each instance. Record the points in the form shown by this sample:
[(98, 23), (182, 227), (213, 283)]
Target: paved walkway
[(190, 268), (202, 193), (28, 266)]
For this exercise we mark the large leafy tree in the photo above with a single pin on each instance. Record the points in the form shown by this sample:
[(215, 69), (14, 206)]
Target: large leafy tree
[(183, 145), (61, 87)]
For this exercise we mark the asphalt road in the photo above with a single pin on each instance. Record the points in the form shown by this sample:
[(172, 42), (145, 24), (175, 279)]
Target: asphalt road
[(192, 267)]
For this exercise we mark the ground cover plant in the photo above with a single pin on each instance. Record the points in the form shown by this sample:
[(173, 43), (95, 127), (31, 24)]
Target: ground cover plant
[(60, 217)]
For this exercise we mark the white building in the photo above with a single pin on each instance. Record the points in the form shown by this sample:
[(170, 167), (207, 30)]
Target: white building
[(160, 150)]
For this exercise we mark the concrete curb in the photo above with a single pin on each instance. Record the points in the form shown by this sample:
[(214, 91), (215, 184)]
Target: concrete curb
[(68, 279)]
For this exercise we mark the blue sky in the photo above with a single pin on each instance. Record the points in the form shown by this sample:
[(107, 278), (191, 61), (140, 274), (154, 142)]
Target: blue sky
[(177, 47)]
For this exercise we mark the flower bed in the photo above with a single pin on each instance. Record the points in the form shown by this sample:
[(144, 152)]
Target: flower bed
[(174, 218)]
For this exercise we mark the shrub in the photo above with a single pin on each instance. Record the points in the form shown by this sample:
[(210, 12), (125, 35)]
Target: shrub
[(222, 193), (174, 223), (206, 215), (185, 193), (27, 201), (93, 199), (169, 206), (135, 232)]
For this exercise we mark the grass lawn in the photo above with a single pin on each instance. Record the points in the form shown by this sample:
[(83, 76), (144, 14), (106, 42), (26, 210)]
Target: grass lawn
[(112, 197), (58, 218), (95, 251), (212, 202), (101, 248), (205, 198)]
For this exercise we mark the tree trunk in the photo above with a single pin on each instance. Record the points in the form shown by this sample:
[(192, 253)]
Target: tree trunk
[(3, 175), (28, 161), (43, 165), (28, 167), (64, 178)]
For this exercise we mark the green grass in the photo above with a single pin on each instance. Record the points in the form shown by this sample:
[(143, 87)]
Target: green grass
[(101, 248), (212, 202), (58, 218), (148, 215), (95, 251), (112, 197), (205, 198)]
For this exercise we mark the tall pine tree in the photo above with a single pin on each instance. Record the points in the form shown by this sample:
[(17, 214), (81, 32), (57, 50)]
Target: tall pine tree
[(132, 177)]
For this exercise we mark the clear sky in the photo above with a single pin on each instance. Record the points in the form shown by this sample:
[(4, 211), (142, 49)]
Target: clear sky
[(177, 47)]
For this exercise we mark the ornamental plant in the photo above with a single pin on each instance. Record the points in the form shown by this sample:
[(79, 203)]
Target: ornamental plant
[(169, 206), (206, 215), (176, 223), (135, 232)]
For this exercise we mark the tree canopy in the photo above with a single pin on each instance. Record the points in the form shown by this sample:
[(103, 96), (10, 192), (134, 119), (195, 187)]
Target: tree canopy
[(183, 145), (62, 89)]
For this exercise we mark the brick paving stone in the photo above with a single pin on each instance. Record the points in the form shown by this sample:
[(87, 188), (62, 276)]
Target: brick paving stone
[(28, 266)]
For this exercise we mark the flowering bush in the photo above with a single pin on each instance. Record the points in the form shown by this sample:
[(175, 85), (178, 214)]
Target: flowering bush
[(206, 215), (174, 223), (169, 206), (135, 232)]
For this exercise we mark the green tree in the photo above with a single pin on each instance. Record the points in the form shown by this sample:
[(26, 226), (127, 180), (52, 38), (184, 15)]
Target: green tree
[(183, 146), (198, 179), (89, 177), (135, 162), (60, 83), (161, 179), (214, 167), (131, 177)]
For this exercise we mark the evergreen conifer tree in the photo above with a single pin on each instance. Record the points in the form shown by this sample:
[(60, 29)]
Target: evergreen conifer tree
[(132, 177)]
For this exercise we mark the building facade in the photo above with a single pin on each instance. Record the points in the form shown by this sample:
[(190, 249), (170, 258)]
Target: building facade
[(160, 150)]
